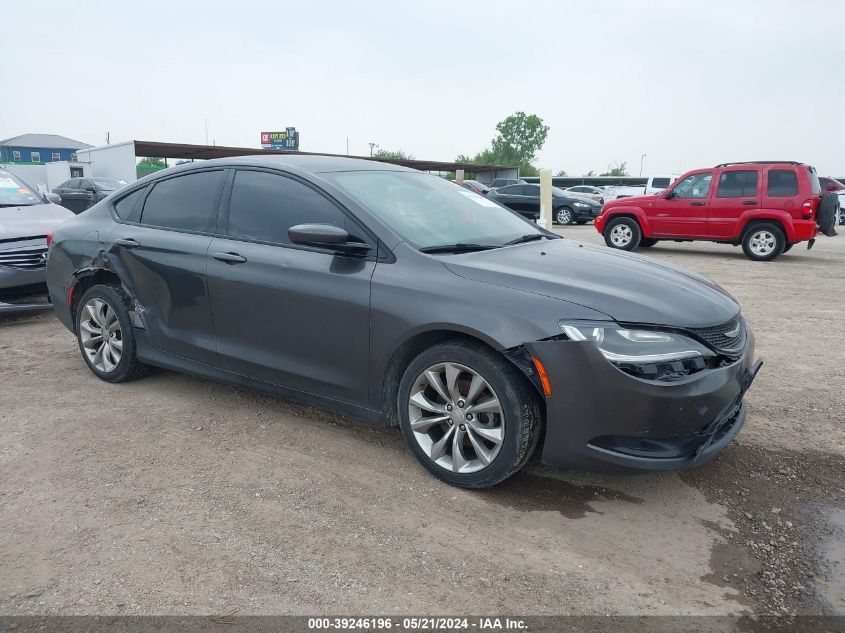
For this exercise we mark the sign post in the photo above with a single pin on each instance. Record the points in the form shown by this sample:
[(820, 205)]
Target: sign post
[(545, 220), (289, 139)]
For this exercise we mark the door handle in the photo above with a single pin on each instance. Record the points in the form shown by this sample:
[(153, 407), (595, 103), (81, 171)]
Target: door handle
[(749, 202), (128, 242), (230, 258), (697, 204)]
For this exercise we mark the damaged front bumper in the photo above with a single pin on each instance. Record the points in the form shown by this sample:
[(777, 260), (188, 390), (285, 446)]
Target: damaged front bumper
[(601, 418)]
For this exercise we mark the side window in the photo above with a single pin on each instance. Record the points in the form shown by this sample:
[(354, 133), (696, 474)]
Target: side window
[(660, 183), (511, 190), (124, 207), (186, 202), (264, 206), (782, 183), (737, 184), (532, 190), (694, 186)]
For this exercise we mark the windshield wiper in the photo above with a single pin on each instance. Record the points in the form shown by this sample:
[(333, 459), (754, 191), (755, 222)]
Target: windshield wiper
[(527, 238), (457, 248)]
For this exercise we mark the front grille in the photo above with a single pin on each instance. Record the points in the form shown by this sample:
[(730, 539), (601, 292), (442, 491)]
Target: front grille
[(718, 337), (28, 258)]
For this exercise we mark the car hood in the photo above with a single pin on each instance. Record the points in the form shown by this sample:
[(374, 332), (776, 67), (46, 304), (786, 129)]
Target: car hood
[(628, 200), (626, 287), (28, 221)]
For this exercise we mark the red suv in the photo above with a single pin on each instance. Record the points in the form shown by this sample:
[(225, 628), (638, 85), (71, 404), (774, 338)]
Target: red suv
[(765, 206)]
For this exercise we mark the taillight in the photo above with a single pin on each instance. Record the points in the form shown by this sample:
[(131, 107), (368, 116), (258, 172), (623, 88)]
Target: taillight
[(49, 239), (808, 208)]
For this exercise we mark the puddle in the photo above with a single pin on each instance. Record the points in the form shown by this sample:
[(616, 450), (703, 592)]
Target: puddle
[(527, 493), (831, 588)]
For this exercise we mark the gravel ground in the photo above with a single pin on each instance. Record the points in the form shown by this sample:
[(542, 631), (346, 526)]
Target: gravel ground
[(175, 495)]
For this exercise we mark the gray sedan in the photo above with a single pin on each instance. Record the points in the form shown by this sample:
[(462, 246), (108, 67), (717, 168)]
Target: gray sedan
[(396, 297), (26, 218)]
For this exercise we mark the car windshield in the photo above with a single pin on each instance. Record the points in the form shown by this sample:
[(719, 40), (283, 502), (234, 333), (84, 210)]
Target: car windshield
[(14, 192), (427, 211), (109, 184)]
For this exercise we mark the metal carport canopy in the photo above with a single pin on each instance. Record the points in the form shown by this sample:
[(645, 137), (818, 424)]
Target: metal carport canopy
[(184, 151)]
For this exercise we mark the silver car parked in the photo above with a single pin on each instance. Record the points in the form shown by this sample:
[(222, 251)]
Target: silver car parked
[(26, 217)]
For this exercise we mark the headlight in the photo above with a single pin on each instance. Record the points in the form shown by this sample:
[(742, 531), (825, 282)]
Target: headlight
[(623, 345), (582, 205)]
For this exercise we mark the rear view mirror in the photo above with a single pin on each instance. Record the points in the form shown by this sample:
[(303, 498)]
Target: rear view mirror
[(327, 236)]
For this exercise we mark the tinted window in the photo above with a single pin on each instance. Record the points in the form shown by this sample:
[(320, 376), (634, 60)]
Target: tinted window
[(695, 186), (511, 190), (264, 206), (531, 190), (661, 183), (126, 204), (782, 183), (186, 202), (737, 184), (579, 189)]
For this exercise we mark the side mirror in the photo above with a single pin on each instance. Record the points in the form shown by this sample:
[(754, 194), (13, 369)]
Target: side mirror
[(53, 197), (327, 236), (670, 193)]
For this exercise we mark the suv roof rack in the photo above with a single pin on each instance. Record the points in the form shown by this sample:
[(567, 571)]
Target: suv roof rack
[(761, 162)]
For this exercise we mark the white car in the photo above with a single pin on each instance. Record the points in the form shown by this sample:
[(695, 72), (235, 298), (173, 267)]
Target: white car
[(655, 184), (586, 191)]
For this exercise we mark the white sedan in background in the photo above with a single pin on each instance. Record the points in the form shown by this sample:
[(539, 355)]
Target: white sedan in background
[(586, 191)]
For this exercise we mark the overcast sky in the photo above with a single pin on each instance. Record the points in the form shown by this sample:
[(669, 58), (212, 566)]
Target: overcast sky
[(688, 84)]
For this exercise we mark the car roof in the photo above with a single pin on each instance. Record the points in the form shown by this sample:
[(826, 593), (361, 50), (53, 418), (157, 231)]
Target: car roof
[(307, 163)]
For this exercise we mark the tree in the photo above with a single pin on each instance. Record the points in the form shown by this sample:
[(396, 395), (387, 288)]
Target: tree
[(619, 168), (520, 138), (149, 161), (392, 154), (590, 174), (561, 174)]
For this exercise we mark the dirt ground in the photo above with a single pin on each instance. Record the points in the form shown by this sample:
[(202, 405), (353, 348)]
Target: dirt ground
[(175, 495)]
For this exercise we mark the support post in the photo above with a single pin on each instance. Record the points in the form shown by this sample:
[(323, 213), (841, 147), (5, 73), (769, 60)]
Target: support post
[(459, 176), (545, 220)]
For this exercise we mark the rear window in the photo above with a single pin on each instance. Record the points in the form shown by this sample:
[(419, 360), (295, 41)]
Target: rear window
[(783, 183), (738, 184), (814, 181), (661, 183), (124, 207), (187, 202)]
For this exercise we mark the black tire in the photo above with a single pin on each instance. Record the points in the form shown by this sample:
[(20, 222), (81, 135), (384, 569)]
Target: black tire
[(827, 214), (520, 411), (765, 232), (647, 242), (635, 236), (561, 215), (787, 247), (128, 367)]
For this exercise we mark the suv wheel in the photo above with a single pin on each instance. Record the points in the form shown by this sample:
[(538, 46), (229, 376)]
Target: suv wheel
[(467, 415), (763, 242), (105, 335), (564, 215), (623, 233)]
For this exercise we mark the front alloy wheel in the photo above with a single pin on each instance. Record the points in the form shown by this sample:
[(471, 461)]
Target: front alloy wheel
[(467, 414), (564, 216), (456, 418)]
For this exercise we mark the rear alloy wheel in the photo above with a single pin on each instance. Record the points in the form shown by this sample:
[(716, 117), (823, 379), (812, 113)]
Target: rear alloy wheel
[(564, 215), (105, 335), (467, 415), (623, 233), (763, 242)]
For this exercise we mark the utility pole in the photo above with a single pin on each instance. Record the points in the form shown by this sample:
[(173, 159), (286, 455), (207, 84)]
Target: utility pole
[(372, 145), (347, 146), (108, 138), (642, 158), (206, 131)]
